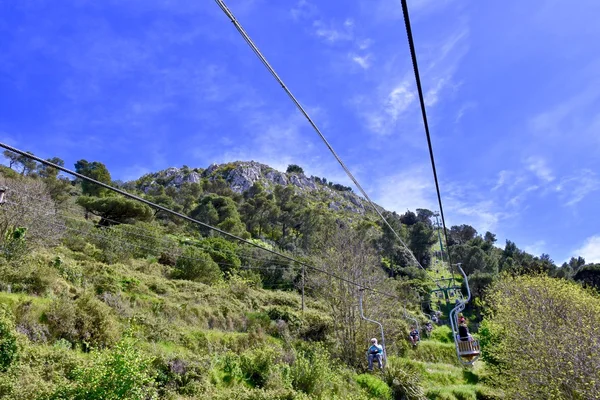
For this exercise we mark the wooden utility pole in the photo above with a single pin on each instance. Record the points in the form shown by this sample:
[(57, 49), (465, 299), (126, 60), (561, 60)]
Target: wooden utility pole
[(303, 281)]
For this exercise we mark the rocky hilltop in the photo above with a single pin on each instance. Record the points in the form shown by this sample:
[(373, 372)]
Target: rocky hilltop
[(241, 175)]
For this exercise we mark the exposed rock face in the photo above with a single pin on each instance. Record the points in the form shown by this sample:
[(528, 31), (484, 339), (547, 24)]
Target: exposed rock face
[(241, 175)]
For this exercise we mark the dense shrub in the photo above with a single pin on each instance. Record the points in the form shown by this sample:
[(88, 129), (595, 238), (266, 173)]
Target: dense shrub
[(86, 321), (256, 365), (551, 362), (311, 372), (122, 373), (403, 381), (196, 265), (8, 339)]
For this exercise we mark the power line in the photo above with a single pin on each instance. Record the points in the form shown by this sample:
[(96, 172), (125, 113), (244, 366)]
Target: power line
[(185, 217), (413, 56), (264, 61)]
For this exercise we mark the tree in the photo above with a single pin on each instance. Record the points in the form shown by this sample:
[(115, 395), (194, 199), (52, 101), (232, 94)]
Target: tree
[(259, 209), (97, 171), (390, 246), (424, 215), (116, 210), (409, 218), (540, 336), (196, 265), (490, 237), (293, 168), (219, 211), (462, 234), (58, 187), (27, 164), (290, 206), (29, 206), (421, 240), (589, 276), (224, 253), (350, 256)]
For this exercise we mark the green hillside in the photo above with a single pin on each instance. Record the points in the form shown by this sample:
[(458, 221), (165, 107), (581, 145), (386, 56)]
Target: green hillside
[(104, 298)]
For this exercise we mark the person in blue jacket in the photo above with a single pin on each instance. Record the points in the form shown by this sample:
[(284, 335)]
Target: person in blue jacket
[(375, 352)]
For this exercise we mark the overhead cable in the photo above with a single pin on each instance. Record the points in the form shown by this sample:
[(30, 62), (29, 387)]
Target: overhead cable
[(190, 219), (264, 61), (413, 56)]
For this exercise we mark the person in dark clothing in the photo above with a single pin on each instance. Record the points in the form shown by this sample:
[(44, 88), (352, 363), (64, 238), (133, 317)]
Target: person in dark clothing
[(463, 333)]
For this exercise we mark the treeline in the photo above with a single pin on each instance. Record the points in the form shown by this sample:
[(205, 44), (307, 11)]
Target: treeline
[(300, 223)]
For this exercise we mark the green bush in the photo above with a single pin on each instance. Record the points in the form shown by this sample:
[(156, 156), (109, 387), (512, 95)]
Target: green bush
[(256, 365), (9, 350), (196, 265), (374, 386), (86, 321), (316, 326), (311, 372), (442, 334), (122, 373), (403, 380)]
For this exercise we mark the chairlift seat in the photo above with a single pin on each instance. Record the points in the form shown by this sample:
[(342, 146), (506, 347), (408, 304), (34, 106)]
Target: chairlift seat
[(468, 348)]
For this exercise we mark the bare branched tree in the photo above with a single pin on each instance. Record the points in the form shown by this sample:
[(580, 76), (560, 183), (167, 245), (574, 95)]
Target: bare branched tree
[(348, 254), (28, 205)]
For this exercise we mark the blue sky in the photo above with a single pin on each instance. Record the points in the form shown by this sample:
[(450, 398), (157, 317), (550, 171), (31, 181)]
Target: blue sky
[(512, 89)]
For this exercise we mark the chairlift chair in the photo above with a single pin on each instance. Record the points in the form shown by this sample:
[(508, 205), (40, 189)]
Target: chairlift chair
[(362, 315), (468, 351)]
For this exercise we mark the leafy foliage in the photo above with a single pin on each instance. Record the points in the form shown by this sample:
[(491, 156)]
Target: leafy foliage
[(9, 350), (196, 265), (122, 373), (114, 210), (293, 168), (95, 170), (542, 336)]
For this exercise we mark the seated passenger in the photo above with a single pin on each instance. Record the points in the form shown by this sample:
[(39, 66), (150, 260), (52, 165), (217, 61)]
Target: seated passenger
[(463, 333), (428, 328), (413, 335), (375, 352)]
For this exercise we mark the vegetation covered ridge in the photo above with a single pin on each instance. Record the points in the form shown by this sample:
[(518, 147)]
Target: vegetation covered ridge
[(101, 297)]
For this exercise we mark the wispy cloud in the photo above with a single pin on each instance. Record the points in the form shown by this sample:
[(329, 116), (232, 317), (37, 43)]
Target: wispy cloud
[(536, 248), (575, 188), (332, 32), (363, 61), (303, 10), (408, 189), (394, 96), (540, 168)]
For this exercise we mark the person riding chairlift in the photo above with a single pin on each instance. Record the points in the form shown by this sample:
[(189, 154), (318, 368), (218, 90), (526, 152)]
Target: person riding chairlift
[(413, 335), (463, 333), (428, 328), (375, 352)]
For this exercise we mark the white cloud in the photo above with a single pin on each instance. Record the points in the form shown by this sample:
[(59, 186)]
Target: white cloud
[(575, 188), (303, 10), (538, 166), (363, 61), (590, 250), (333, 34), (463, 110), (399, 99), (364, 44), (536, 248), (394, 96), (409, 189)]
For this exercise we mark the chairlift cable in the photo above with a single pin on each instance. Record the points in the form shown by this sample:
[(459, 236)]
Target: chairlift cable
[(413, 55), (264, 61), (190, 219)]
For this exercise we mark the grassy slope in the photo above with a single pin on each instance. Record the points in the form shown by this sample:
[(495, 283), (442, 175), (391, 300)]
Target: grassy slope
[(192, 321)]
